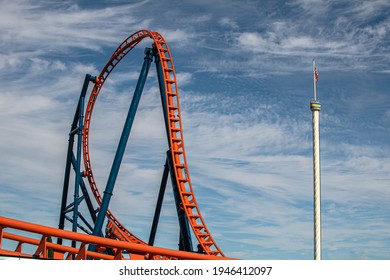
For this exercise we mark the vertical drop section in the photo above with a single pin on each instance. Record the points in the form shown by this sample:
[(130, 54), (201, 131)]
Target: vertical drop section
[(173, 121)]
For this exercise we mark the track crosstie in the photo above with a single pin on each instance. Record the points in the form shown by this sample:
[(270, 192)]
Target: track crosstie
[(175, 135)]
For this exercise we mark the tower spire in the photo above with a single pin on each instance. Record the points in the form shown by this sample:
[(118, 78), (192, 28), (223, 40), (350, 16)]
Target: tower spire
[(315, 107)]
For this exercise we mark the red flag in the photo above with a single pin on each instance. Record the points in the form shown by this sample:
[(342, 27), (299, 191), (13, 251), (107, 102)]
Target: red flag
[(316, 74)]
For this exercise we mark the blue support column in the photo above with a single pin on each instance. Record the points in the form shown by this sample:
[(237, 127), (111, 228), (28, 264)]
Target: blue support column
[(185, 242), (78, 166), (160, 77), (159, 203), (122, 143), (76, 128), (86, 196)]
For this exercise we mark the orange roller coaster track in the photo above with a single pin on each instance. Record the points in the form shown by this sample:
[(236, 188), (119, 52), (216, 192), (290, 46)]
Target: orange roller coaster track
[(118, 239), (176, 163), (43, 248)]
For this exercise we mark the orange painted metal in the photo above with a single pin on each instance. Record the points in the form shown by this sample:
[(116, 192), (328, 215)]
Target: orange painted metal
[(43, 247), (176, 142), (121, 239)]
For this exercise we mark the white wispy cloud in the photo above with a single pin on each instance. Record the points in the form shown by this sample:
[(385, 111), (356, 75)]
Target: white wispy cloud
[(63, 25)]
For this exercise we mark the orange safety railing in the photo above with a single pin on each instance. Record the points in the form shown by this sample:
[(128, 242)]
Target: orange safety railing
[(43, 249)]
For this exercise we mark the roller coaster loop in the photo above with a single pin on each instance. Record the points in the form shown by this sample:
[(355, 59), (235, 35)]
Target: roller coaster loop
[(187, 207)]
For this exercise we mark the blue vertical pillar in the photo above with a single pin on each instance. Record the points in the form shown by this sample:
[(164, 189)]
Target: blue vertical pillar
[(122, 143), (76, 128), (77, 169), (159, 203), (160, 77), (185, 242)]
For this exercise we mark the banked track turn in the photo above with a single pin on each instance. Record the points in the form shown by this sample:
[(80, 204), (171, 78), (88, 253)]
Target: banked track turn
[(176, 142)]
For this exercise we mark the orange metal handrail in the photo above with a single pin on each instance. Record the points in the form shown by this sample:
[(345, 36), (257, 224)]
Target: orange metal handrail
[(43, 247)]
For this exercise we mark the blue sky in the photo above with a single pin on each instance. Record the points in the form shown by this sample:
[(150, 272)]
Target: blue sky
[(244, 73)]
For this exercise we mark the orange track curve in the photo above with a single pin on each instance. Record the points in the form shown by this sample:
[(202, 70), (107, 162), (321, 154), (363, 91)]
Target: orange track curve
[(176, 142)]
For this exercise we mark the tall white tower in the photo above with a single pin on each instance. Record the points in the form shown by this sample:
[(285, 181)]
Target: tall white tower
[(315, 107)]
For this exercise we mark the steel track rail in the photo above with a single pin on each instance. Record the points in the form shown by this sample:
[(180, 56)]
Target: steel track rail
[(176, 140), (42, 248)]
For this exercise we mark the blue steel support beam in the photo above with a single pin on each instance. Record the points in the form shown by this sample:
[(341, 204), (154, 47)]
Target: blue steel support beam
[(185, 242), (78, 165), (160, 77), (74, 127), (122, 143), (159, 203), (88, 200)]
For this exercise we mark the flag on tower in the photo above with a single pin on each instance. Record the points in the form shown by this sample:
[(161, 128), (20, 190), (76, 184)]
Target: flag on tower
[(315, 74), (315, 79)]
